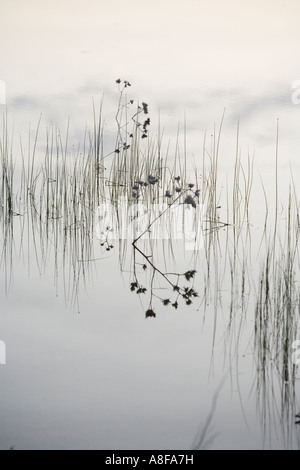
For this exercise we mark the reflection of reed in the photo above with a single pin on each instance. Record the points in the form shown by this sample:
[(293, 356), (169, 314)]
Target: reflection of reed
[(276, 326), (55, 200), (50, 216)]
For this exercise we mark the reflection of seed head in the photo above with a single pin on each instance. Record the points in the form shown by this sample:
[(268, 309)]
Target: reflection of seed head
[(150, 313), (190, 201), (152, 179)]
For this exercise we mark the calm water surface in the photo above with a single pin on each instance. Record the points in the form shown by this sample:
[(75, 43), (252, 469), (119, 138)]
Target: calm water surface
[(84, 367)]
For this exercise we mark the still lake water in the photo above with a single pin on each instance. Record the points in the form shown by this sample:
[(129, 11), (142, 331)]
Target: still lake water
[(84, 367)]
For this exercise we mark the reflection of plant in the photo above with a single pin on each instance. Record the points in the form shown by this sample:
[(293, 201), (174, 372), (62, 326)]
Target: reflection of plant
[(178, 292), (147, 184), (135, 287), (105, 238)]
